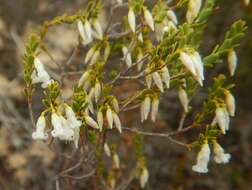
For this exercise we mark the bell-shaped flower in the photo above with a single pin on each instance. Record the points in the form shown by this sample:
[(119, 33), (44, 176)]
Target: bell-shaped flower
[(203, 158), (40, 133), (127, 56), (187, 62), (115, 104), (88, 30), (232, 62), (149, 18), (222, 119), (132, 20), (220, 156), (148, 77), (40, 75), (84, 78), (95, 57), (145, 108), (73, 122), (90, 54)]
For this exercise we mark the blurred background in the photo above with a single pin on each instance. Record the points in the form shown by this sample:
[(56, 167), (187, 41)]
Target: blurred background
[(29, 165)]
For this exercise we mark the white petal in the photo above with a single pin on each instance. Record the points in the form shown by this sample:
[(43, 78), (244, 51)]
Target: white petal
[(90, 54), (109, 116), (97, 91), (232, 62), (147, 106), (183, 99), (230, 102), (187, 62), (91, 122), (117, 122), (154, 108), (149, 19), (172, 16), (100, 119)]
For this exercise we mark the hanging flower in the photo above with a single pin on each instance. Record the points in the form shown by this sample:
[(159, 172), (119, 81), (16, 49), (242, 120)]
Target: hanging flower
[(107, 150), (220, 156), (40, 133), (132, 20), (193, 10), (154, 108), (158, 81), (127, 56), (144, 176), (230, 102), (183, 99), (172, 16), (109, 115), (203, 158), (222, 119), (187, 62), (148, 18)]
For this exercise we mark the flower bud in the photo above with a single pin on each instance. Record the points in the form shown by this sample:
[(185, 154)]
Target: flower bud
[(127, 56), (158, 81), (97, 91), (183, 99), (154, 108), (95, 57), (144, 176), (116, 161), (132, 20), (100, 119), (232, 62), (230, 102), (107, 150), (90, 54), (98, 29), (149, 18), (165, 76), (146, 107), (89, 121), (110, 119), (172, 16), (222, 119), (117, 122), (193, 10)]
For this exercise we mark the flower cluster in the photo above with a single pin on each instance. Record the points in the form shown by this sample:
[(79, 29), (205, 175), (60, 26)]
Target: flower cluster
[(203, 157)]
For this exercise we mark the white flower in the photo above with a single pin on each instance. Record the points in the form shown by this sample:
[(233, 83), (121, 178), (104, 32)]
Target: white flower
[(95, 57), (172, 16), (97, 90), (145, 108), (71, 117), (154, 108), (100, 119), (165, 76), (98, 29), (84, 78), (81, 30), (91, 95), (89, 121), (88, 30), (149, 18), (90, 54), (127, 56), (40, 134), (116, 160), (187, 62), (193, 10), (132, 20), (219, 155), (158, 81), (110, 119), (230, 102), (148, 77), (198, 64), (183, 99), (222, 119), (107, 150), (232, 62), (117, 122), (203, 158), (115, 104), (144, 176), (40, 74)]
